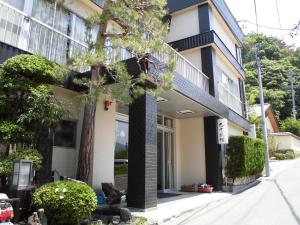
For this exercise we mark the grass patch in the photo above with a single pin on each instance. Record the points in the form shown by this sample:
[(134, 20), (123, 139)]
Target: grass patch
[(121, 170)]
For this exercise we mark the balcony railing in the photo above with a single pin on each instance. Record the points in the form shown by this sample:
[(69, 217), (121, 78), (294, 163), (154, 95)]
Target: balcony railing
[(27, 33), (185, 68), (229, 99)]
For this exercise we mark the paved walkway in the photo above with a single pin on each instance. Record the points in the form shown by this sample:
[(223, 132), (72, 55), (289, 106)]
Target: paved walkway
[(175, 208), (275, 201)]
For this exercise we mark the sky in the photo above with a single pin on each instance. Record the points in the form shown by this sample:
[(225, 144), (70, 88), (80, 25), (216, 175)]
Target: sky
[(289, 11)]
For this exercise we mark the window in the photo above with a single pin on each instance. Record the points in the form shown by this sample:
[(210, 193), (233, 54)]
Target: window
[(238, 54), (65, 134), (19, 4), (121, 147)]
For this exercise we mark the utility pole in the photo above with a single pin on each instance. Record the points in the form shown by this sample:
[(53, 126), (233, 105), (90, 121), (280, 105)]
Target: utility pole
[(263, 118), (291, 78), (262, 102)]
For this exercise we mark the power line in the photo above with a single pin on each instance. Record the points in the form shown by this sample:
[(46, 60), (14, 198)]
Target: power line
[(263, 26), (278, 15)]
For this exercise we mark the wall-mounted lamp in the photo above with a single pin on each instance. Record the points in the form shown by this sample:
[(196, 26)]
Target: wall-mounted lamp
[(107, 104)]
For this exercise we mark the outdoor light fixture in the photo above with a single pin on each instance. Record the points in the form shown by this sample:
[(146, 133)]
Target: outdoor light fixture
[(22, 175), (184, 112), (107, 104)]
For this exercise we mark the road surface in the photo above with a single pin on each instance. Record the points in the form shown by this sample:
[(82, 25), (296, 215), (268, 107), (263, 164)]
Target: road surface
[(275, 201)]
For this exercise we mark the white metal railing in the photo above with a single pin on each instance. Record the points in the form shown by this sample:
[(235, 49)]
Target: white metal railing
[(229, 99), (185, 68), (27, 33)]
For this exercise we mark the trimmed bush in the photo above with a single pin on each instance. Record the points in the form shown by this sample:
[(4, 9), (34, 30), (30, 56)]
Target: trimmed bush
[(283, 155), (65, 202), (246, 157), (32, 67)]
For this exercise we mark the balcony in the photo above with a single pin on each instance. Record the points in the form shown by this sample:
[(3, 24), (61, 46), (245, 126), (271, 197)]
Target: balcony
[(26, 33), (229, 99)]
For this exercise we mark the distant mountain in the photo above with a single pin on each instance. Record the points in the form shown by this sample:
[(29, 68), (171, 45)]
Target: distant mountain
[(120, 146)]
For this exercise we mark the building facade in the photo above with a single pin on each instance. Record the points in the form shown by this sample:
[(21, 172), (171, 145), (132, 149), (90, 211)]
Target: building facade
[(170, 141)]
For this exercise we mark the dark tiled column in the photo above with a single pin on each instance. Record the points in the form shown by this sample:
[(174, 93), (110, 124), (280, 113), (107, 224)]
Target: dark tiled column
[(212, 153), (208, 62), (142, 153)]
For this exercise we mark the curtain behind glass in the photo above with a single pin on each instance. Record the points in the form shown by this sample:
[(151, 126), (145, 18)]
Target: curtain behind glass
[(43, 11), (19, 4)]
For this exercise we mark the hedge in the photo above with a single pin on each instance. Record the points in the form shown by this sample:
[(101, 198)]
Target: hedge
[(246, 157)]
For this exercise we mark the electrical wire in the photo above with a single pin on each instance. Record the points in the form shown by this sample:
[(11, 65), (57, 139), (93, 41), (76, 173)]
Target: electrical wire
[(267, 27), (278, 15)]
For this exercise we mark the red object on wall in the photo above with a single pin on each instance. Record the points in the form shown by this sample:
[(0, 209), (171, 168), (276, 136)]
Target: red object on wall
[(107, 104)]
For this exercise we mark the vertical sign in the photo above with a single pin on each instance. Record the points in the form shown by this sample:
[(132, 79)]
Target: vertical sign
[(222, 131)]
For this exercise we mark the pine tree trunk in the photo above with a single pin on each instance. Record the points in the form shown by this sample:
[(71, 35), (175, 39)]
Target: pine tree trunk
[(87, 135), (87, 142)]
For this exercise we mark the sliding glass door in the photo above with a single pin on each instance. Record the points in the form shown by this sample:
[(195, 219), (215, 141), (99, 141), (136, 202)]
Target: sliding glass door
[(165, 154)]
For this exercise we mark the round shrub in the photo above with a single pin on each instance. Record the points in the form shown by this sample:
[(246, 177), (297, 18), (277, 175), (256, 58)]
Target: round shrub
[(33, 67), (65, 202)]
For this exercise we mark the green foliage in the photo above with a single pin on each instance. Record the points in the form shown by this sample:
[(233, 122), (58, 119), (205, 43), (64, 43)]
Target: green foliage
[(6, 162), (11, 132), (284, 155), (256, 120), (35, 68), (291, 125), (138, 220), (139, 29), (277, 59), (121, 154), (27, 104), (246, 157), (65, 202), (121, 170)]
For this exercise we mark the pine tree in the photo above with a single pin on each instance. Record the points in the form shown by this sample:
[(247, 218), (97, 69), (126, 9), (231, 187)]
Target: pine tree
[(134, 26)]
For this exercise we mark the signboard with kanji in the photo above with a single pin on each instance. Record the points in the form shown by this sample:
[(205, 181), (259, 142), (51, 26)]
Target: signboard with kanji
[(222, 131)]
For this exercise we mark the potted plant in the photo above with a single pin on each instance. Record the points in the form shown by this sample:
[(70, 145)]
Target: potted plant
[(205, 188)]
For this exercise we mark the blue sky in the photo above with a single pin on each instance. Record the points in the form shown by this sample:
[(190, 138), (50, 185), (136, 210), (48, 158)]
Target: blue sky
[(289, 11)]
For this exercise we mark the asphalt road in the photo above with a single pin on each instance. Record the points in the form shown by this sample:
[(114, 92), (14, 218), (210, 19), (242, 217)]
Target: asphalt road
[(275, 201)]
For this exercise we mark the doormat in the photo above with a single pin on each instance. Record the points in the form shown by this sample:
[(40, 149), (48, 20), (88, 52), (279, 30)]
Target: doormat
[(166, 195)]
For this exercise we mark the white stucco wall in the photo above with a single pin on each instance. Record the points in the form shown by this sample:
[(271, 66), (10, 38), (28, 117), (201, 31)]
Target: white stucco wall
[(223, 65), (184, 24), (64, 160), (285, 142), (82, 8), (234, 130), (269, 125), (220, 27), (104, 144), (194, 56), (190, 148)]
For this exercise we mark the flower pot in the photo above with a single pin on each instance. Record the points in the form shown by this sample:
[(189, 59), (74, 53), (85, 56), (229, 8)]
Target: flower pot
[(208, 189)]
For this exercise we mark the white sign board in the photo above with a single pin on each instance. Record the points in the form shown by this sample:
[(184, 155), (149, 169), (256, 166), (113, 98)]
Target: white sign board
[(222, 131)]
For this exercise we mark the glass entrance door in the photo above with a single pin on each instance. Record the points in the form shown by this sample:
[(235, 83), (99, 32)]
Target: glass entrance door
[(169, 160), (160, 170), (165, 155)]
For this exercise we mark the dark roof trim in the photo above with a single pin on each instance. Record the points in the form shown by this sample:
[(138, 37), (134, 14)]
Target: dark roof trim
[(222, 8), (176, 5), (188, 89), (207, 38), (229, 19)]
